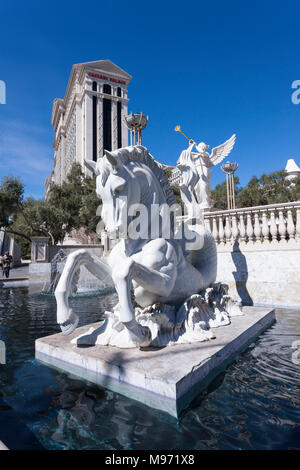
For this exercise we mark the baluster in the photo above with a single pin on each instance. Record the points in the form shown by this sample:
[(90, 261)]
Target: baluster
[(265, 226), (257, 227), (242, 228), (215, 232), (281, 226), (290, 225), (273, 226), (249, 229), (227, 229), (235, 229), (207, 224), (298, 225), (221, 229)]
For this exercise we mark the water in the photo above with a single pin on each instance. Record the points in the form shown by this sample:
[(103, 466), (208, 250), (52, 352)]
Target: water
[(83, 281), (255, 404)]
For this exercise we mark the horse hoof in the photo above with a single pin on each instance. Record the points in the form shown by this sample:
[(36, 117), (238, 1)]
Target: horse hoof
[(70, 325), (139, 334), (147, 337)]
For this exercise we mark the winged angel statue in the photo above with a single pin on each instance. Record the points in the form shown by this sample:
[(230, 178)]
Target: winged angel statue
[(195, 166)]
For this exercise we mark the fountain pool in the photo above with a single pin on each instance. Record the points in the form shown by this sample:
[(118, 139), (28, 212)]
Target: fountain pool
[(254, 404)]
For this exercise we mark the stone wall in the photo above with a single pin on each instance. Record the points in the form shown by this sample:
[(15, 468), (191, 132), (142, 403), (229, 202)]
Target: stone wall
[(95, 249), (260, 274), (39, 272)]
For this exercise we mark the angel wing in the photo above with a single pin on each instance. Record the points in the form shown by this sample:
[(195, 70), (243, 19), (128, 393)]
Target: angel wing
[(220, 152)]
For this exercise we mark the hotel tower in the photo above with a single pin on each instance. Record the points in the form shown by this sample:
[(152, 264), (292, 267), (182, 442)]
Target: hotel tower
[(90, 118)]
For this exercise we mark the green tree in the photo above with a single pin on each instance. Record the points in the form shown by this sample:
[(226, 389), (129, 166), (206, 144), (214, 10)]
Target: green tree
[(11, 201), (176, 191), (270, 188), (72, 205), (219, 194), (167, 170), (76, 201)]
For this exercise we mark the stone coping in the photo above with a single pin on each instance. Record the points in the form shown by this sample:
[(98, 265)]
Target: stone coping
[(3, 446), (259, 246)]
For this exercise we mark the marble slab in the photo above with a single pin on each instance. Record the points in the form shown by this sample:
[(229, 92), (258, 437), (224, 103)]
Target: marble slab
[(2, 446), (167, 378)]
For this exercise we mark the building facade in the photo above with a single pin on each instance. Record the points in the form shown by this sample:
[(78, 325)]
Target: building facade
[(90, 118), (8, 244), (175, 176)]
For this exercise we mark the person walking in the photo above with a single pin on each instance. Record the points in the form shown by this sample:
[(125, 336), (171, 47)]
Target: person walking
[(7, 259)]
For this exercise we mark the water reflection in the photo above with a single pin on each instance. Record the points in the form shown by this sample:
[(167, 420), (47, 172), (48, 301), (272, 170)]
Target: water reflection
[(254, 405)]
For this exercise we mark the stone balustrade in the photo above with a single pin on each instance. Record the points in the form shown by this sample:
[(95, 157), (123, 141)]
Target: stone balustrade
[(258, 252), (272, 224)]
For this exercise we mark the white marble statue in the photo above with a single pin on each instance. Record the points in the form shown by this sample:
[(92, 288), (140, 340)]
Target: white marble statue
[(202, 162), (156, 277)]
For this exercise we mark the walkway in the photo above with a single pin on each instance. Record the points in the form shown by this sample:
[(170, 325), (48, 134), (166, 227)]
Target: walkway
[(16, 274)]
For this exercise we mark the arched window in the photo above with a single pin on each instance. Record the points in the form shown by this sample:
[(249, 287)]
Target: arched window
[(107, 89)]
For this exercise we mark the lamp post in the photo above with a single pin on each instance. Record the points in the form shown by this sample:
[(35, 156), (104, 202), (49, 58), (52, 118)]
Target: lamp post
[(229, 169), (136, 123)]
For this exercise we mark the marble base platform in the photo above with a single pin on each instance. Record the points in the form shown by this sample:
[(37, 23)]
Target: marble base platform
[(167, 378)]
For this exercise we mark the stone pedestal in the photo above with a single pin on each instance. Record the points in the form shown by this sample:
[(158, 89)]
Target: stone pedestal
[(167, 378), (39, 249)]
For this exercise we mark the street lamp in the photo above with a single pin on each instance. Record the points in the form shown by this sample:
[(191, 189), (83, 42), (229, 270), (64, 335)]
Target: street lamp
[(136, 123), (229, 169)]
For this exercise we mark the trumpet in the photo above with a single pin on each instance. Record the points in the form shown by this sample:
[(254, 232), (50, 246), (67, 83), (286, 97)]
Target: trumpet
[(178, 129)]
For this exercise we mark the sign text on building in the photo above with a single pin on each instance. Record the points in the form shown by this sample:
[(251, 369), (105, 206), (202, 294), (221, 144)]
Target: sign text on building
[(104, 77)]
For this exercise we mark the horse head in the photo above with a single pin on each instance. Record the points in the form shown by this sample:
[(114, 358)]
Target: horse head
[(117, 188)]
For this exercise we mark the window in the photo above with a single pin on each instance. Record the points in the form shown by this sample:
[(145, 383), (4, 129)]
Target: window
[(106, 119), (107, 89), (119, 123), (119, 118), (94, 122)]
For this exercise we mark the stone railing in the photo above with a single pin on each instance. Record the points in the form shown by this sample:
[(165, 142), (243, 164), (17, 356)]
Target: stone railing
[(253, 225)]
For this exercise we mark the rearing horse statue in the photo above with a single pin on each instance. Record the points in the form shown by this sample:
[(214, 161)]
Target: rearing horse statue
[(155, 268)]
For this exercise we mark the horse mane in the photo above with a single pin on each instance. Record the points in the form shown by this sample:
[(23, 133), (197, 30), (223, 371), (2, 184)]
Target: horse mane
[(140, 154)]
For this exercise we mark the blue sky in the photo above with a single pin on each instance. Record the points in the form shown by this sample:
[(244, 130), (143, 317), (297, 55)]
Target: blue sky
[(213, 67)]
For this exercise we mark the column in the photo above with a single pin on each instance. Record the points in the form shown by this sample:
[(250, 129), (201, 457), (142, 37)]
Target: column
[(63, 158), (88, 125), (114, 125), (100, 124), (124, 127)]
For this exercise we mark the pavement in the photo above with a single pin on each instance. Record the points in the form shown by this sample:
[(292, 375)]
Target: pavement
[(21, 272)]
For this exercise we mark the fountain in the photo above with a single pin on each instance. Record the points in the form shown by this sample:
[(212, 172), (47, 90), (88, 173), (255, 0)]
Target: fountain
[(83, 283), (169, 304)]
